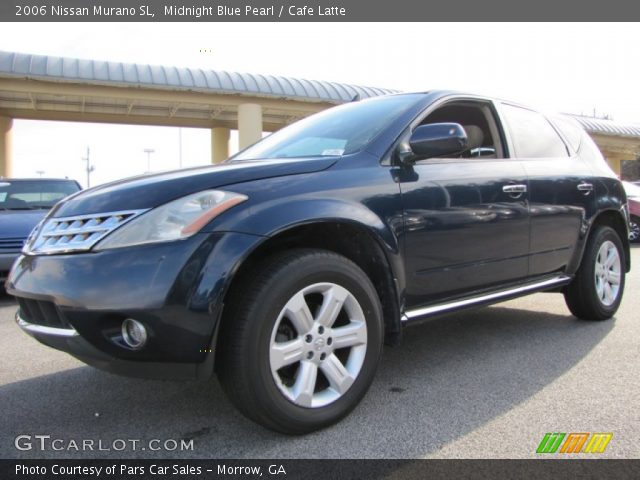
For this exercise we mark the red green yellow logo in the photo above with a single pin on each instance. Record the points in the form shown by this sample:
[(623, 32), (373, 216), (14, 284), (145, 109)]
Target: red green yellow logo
[(574, 442)]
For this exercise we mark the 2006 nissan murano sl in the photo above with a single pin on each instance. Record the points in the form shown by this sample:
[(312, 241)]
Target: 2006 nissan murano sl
[(286, 268)]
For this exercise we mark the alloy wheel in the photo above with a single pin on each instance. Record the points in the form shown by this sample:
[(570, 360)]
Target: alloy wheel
[(318, 345), (608, 273)]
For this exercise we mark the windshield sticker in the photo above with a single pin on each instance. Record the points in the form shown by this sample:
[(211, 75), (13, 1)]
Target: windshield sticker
[(333, 151)]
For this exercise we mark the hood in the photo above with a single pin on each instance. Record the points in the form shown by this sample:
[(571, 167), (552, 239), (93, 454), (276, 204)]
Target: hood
[(150, 191), (19, 223)]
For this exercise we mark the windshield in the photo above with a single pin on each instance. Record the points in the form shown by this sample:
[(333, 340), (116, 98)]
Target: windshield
[(334, 132), (34, 194)]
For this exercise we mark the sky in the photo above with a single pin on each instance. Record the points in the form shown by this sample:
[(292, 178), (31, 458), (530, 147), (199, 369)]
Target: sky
[(564, 67)]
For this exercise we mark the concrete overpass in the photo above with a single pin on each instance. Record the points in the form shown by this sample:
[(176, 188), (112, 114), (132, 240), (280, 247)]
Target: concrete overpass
[(54, 88), (617, 141)]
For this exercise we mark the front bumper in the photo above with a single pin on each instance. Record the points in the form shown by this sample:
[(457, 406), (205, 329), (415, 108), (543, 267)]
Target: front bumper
[(68, 340), (77, 302)]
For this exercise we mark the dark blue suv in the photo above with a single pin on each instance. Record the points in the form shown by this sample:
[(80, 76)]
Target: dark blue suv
[(286, 268)]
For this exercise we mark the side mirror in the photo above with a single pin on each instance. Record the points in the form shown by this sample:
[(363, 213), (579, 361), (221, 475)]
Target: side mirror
[(434, 140)]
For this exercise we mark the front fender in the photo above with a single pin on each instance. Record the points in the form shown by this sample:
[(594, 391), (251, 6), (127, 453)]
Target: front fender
[(358, 192), (271, 218)]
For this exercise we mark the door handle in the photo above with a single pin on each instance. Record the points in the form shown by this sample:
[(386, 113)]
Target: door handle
[(585, 187), (514, 188)]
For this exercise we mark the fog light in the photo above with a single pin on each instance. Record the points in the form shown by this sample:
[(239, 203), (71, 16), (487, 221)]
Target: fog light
[(134, 333)]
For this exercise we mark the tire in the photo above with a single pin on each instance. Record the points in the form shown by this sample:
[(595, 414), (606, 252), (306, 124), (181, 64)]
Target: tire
[(634, 230), (594, 294), (269, 347)]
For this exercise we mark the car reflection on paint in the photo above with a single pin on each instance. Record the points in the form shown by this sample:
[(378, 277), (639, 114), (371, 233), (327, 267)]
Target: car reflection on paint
[(456, 217)]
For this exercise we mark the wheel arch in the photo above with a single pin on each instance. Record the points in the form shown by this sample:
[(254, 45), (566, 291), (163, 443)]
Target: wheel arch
[(616, 220), (350, 239)]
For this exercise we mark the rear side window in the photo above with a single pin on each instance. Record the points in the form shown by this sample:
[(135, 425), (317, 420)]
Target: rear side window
[(532, 134), (571, 130)]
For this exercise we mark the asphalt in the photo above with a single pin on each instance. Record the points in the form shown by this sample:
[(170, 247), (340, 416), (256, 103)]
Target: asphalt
[(483, 384)]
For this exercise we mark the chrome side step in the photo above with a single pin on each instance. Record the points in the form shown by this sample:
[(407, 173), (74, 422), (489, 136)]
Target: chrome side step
[(486, 298)]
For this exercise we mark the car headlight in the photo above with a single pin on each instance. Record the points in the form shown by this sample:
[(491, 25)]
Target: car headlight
[(175, 220)]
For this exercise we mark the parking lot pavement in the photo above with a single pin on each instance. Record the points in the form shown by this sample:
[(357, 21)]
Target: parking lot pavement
[(482, 384)]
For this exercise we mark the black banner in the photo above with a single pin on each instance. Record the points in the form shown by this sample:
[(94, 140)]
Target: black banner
[(315, 11), (318, 469)]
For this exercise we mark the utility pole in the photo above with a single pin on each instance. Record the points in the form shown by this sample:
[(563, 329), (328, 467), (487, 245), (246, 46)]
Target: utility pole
[(40, 172), (89, 168), (149, 151)]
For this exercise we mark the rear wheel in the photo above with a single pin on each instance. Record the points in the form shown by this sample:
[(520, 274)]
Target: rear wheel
[(301, 345), (596, 291)]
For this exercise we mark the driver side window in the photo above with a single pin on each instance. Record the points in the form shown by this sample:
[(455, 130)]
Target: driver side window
[(478, 121)]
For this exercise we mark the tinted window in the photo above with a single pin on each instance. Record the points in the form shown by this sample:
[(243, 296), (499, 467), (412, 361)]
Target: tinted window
[(34, 194), (478, 121), (334, 132), (532, 134)]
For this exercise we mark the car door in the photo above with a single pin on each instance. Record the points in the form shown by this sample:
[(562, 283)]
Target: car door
[(560, 188), (466, 219)]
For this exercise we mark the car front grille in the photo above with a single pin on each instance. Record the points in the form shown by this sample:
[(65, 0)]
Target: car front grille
[(10, 245), (41, 312), (78, 233)]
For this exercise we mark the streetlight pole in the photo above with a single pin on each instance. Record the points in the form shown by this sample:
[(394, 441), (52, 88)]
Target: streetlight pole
[(89, 168), (149, 151), (180, 147)]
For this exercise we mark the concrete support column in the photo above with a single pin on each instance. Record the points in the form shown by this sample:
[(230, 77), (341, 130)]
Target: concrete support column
[(249, 124), (614, 160), (616, 164), (6, 147), (219, 144)]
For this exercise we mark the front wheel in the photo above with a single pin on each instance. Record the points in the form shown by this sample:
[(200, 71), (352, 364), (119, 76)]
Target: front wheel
[(301, 342), (596, 291)]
